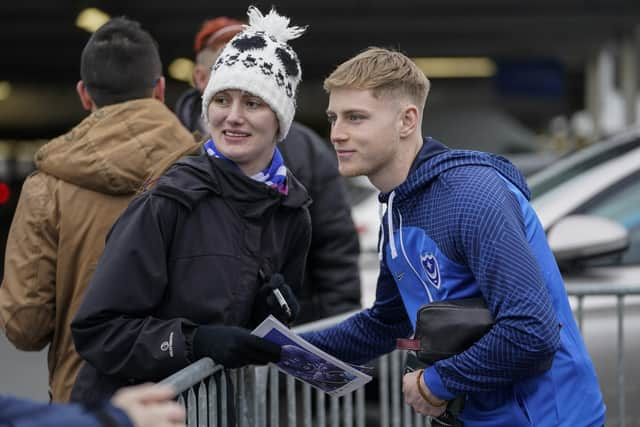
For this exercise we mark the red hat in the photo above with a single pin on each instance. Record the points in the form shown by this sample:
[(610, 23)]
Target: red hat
[(216, 32)]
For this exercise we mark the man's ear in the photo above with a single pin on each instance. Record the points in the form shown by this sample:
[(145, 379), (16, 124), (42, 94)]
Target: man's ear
[(159, 88), (409, 120), (85, 98), (200, 77)]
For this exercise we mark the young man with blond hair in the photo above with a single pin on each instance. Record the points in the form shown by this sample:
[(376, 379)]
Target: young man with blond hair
[(458, 224)]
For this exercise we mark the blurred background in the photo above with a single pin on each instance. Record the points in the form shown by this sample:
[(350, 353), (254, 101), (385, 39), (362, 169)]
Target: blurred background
[(530, 80), (533, 81)]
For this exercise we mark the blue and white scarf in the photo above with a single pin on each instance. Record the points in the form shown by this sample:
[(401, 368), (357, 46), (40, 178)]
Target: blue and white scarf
[(274, 175)]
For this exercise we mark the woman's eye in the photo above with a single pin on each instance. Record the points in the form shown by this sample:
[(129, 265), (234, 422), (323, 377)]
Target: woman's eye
[(356, 117), (220, 100), (253, 104)]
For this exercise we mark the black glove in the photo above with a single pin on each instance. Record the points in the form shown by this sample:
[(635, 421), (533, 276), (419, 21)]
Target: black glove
[(233, 347), (267, 303)]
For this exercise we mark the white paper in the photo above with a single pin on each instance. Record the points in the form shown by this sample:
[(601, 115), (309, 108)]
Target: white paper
[(308, 363)]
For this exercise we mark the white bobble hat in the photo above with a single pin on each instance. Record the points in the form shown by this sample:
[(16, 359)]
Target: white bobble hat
[(259, 61)]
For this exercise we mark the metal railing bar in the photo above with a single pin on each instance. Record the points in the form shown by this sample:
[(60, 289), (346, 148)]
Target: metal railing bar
[(192, 374), (620, 367)]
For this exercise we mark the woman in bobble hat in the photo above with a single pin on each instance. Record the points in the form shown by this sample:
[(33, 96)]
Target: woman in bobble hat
[(192, 264)]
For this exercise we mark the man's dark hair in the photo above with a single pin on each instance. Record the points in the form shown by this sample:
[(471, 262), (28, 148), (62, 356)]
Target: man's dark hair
[(120, 62)]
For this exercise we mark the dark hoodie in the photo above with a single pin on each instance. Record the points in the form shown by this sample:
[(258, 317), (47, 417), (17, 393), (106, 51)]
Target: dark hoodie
[(187, 252), (461, 226)]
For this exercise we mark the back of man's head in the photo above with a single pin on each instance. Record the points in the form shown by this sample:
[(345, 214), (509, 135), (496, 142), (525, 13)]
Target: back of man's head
[(214, 34), (120, 63), (385, 72)]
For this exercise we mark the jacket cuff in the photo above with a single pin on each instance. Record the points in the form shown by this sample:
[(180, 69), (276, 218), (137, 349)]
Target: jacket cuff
[(433, 380), (189, 331)]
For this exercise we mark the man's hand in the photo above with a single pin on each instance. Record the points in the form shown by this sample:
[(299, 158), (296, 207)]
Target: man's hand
[(150, 405), (412, 396)]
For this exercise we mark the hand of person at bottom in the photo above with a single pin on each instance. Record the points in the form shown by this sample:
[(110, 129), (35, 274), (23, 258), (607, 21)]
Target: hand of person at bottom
[(413, 397), (150, 405)]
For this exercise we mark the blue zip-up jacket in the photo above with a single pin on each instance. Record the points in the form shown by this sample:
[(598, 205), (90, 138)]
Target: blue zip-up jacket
[(17, 412), (461, 226)]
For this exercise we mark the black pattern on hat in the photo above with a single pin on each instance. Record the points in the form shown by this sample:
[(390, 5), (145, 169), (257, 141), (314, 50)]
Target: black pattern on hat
[(250, 61), (248, 42), (289, 63)]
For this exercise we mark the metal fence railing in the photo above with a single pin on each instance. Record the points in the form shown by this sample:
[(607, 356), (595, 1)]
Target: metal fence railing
[(263, 396), (620, 293)]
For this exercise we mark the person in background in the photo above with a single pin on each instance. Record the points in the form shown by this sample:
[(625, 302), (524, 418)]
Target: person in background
[(458, 224), (139, 406), (332, 277), (84, 180), (197, 259)]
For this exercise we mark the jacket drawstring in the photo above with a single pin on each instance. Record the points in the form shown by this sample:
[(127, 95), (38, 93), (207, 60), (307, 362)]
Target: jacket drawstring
[(381, 241), (392, 242)]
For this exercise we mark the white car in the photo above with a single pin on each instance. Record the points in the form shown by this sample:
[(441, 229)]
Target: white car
[(578, 162), (610, 190)]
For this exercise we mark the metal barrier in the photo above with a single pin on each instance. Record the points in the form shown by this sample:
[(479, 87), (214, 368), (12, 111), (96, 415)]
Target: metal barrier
[(203, 387), (267, 397), (620, 292), (259, 398)]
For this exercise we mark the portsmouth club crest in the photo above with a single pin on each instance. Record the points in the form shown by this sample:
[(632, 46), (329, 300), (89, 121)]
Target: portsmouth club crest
[(430, 267)]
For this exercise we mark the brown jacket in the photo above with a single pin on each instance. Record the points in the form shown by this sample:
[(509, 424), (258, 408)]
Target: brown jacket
[(85, 179)]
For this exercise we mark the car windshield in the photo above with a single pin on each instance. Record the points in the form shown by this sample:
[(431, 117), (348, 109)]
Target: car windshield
[(577, 163)]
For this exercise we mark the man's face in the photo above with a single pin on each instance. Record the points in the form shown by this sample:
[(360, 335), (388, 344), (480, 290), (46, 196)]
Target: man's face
[(364, 131), (202, 70)]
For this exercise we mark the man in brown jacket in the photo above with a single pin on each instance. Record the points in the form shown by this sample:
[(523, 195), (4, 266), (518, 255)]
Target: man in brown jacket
[(84, 180)]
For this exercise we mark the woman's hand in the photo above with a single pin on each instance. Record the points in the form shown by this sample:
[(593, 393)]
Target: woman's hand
[(233, 347)]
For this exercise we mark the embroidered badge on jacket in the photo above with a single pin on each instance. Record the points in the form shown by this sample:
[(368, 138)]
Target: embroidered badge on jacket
[(430, 267)]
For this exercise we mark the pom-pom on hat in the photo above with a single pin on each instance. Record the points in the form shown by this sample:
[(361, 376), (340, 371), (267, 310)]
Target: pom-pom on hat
[(259, 61)]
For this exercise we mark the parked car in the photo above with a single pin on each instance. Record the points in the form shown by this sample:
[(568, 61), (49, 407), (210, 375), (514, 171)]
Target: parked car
[(609, 190), (577, 162)]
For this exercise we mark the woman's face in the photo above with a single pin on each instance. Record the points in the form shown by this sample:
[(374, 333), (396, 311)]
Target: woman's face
[(244, 129)]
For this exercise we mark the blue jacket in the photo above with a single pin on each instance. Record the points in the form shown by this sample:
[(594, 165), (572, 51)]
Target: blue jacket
[(17, 412), (461, 226)]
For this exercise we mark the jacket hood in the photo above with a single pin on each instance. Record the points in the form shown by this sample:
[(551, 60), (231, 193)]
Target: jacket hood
[(194, 177), (435, 158), (114, 149)]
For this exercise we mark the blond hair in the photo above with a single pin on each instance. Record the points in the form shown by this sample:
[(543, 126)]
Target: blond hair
[(385, 72)]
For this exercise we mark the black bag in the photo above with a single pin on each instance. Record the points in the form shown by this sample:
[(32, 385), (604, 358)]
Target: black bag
[(447, 328), (444, 329)]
